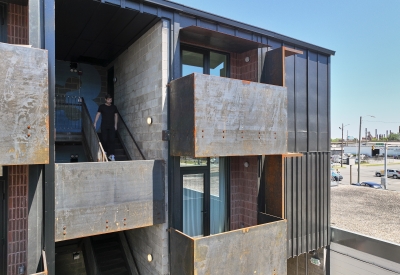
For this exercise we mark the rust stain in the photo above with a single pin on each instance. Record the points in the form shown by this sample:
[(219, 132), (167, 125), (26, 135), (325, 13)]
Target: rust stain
[(246, 82)]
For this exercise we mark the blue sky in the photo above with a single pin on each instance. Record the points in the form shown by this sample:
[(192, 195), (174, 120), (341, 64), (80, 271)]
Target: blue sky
[(365, 71)]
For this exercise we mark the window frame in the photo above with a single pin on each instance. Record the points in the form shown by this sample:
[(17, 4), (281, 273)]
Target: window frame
[(206, 61)]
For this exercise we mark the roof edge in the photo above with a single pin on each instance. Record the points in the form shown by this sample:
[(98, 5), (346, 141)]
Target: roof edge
[(213, 17)]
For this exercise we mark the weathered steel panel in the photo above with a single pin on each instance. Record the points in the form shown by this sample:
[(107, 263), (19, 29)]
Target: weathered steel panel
[(274, 186), (96, 198), (274, 68), (24, 105), (226, 117), (182, 253), (258, 249)]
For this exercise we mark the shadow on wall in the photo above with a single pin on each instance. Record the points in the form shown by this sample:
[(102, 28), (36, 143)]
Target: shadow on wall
[(72, 85)]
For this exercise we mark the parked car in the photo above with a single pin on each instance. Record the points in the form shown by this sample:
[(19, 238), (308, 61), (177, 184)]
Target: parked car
[(336, 176), (371, 184), (390, 173)]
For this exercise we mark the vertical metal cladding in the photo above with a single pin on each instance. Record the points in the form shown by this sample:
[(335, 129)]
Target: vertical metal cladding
[(307, 181), (307, 189)]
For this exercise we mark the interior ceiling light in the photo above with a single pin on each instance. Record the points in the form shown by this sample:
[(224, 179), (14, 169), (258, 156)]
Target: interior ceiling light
[(73, 67)]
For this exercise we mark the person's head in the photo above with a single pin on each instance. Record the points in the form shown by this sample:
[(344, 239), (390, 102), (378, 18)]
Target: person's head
[(108, 98)]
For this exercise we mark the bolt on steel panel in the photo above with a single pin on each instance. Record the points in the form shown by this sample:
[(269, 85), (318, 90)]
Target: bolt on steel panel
[(216, 116), (23, 105)]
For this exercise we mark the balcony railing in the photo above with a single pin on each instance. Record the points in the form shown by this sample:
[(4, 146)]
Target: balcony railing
[(259, 249), (24, 107), (101, 197), (217, 116)]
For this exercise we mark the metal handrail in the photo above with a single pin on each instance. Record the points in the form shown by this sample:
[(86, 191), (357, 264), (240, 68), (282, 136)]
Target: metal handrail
[(44, 261), (88, 130), (130, 134)]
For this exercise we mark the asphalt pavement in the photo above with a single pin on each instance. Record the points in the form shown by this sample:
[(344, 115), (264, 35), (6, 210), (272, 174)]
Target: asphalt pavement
[(367, 173)]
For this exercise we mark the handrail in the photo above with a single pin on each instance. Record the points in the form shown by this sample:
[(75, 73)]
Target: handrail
[(88, 130), (44, 272), (130, 134)]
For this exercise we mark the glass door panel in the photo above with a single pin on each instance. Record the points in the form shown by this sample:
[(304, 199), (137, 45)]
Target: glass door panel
[(218, 196), (218, 64), (192, 62), (193, 204)]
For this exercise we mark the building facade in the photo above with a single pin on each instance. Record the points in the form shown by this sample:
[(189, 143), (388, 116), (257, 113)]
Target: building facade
[(223, 141)]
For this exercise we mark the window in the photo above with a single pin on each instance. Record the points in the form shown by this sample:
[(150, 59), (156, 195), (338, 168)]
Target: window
[(204, 196), (3, 23), (203, 61)]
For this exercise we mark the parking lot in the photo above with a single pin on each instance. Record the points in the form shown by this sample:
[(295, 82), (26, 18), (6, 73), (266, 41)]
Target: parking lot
[(367, 173)]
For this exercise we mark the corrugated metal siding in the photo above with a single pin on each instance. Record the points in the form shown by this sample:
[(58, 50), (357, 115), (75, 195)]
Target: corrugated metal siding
[(307, 189), (307, 179)]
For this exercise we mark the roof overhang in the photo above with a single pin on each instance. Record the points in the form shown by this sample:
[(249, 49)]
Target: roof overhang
[(218, 40)]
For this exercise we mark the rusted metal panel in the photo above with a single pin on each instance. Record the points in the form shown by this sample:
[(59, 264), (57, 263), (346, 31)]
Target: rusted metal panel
[(96, 198), (217, 40), (274, 185), (274, 68), (216, 116), (24, 105), (182, 253), (258, 249)]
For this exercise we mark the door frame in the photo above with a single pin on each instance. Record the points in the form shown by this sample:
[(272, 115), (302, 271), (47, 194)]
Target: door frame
[(206, 199)]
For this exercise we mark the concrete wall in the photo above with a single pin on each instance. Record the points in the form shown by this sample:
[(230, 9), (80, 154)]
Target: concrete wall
[(140, 92)]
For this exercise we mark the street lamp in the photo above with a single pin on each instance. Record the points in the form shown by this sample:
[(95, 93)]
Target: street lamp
[(359, 146), (341, 152)]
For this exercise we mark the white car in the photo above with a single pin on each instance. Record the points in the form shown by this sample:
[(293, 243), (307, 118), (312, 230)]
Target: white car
[(390, 173)]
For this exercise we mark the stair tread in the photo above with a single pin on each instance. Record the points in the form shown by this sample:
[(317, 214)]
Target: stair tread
[(116, 271), (107, 254), (113, 265)]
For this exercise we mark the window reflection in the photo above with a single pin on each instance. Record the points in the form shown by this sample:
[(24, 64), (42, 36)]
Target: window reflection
[(218, 64), (192, 62), (188, 161)]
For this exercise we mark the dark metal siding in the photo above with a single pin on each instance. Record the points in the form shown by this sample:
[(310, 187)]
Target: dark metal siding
[(307, 201), (307, 181)]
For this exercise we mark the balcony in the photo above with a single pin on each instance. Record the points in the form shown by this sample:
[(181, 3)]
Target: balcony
[(24, 105), (217, 116), (101, 197), (259, 249)]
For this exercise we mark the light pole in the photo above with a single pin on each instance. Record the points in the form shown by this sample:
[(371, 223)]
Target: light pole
[(341, 152), (359, 146)]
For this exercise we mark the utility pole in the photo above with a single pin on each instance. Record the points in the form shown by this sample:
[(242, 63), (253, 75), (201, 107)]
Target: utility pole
[(359, 147), (341, 152)]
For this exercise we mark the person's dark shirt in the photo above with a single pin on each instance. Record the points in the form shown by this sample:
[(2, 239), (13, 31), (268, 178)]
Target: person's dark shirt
[(107, 115)]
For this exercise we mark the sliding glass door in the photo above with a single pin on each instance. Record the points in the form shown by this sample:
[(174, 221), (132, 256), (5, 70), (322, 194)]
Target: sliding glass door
[(204, 196)]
